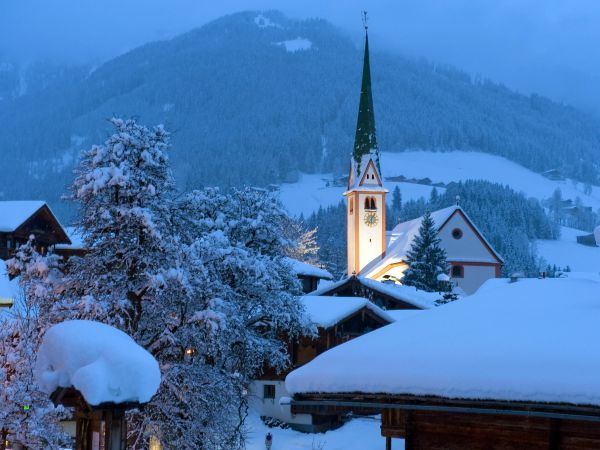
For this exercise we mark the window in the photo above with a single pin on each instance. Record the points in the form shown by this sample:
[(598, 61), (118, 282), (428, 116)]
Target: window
[(268, 391), (457, 233), (351, 207), (370, 203), (458, 272)]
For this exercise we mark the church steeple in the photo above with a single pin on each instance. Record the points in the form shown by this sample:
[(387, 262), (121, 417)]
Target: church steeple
[(365, 213), (365, 141)]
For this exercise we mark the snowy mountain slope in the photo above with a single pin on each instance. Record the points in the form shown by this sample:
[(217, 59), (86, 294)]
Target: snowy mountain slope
[(460, 165), (250, 102), (314, 190), (311, 191), (567, 252)]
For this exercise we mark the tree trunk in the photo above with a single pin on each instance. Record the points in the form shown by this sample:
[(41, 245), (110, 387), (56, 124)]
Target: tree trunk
[(3, 437)]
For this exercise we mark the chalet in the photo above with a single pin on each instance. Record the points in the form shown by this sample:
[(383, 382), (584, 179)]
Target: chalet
[(21, 219), (374, 253), (309, 275), (387, 295), (510, 368), (338, 320)]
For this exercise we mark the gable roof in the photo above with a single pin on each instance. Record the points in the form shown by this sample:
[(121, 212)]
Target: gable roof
[(404, 294), (403, 234), (14, 213), (327, 311), (523, 341), (308, 270), (358, 171)]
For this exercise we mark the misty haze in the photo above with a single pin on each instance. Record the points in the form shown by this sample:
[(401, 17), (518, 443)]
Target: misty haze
[(299, 225)]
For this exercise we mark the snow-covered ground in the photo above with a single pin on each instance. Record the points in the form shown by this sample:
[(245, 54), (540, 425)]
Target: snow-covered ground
[(567, 252), (310, 192), (305, 196), (361, 433)]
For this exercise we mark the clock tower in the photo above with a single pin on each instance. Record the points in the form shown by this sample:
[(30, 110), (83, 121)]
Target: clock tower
[(365, 196)]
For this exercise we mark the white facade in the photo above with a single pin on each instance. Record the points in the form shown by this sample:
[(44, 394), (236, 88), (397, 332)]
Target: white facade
[(271, 407), (471, 258), (365, 216)]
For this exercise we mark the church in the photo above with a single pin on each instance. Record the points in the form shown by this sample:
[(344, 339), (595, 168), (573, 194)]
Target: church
[(378, 254)]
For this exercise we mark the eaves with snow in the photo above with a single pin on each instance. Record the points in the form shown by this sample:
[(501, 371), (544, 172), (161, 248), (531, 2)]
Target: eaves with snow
[(533, 340)]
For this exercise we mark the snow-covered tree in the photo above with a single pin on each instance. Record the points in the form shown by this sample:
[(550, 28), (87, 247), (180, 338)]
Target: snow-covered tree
[(200, 281), (27, 416), (302, 244), (426, 259)]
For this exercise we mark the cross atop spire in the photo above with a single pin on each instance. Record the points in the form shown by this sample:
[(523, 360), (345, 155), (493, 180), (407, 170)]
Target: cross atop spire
[(365, 141)]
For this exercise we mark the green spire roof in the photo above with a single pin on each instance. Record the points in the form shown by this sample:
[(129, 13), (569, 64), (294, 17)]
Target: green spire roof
[(365, 141)]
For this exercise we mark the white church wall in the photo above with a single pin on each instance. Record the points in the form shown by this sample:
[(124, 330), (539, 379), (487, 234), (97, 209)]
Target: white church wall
[(468, 247), (371, 238), (474, 277)]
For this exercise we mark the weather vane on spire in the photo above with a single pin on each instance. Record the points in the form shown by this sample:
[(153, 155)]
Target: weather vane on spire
[(365, 20)]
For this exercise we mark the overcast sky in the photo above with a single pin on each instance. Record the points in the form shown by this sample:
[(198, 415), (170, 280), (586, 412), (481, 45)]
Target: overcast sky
[(546, 46)]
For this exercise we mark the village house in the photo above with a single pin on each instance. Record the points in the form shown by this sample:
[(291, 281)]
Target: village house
[(21, 219), (504, 370), (338, 320)]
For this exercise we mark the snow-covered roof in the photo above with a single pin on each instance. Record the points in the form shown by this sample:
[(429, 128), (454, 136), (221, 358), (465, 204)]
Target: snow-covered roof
[(103, 363), (13, 213), (532, 340), (406, 294), (308, 270), (403, 234), (9, 289), (75, 237), (356, 176), (325, 311)]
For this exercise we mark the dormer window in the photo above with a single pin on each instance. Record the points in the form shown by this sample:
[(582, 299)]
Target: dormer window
[(370, 203)]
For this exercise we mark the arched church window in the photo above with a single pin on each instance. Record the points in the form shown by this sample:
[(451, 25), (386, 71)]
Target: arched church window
[(370, 203)]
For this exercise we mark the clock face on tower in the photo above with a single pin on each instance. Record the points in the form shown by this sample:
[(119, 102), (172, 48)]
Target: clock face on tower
[(371, 219)]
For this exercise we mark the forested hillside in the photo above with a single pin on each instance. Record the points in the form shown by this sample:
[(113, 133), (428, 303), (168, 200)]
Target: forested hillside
[(256, 98), (509, 221)]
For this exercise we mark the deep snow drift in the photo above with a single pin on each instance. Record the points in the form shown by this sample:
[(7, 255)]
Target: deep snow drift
[(530, 340), (103, 363)]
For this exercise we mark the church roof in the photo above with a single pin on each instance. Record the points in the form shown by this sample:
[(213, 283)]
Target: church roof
[(403, 234), (365, 141), (308, 270)]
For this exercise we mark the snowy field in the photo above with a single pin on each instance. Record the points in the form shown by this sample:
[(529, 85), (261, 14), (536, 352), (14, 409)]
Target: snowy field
[(359, 434), (310, 192), (305, 196), (567, 252)]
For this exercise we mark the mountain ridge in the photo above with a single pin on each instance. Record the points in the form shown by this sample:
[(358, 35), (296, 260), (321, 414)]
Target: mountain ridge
[(243, 109)]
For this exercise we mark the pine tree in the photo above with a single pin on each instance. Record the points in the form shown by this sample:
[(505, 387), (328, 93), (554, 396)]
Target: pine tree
[(426, 259)]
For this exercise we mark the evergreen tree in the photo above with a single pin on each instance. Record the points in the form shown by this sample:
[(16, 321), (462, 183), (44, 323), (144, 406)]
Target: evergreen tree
[(396, 199), (426, 259)]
